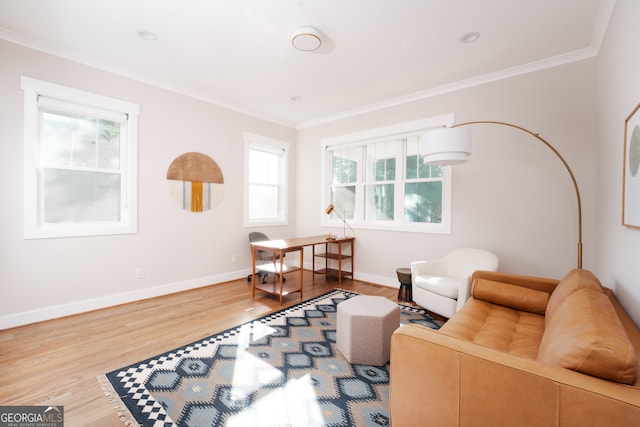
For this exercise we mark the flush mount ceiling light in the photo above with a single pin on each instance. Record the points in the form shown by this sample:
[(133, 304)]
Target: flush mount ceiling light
[(306, 39), (147, 35), (470, 37)]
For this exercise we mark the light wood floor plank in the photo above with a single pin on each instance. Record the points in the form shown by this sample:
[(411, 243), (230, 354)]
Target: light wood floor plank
[(57, 362)]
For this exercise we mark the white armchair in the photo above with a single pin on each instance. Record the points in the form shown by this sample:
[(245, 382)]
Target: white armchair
[(443, 285)]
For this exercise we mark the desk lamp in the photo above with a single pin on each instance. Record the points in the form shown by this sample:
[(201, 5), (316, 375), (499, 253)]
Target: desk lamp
[(330, 209)]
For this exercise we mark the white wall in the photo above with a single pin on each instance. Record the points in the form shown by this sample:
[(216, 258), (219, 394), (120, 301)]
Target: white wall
[(514, 197), (40, 279), (618, 94)]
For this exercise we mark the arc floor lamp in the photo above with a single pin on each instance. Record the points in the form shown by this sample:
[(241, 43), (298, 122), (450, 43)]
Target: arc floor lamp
[(452, 145)]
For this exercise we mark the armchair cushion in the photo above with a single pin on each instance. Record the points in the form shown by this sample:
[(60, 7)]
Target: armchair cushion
[(445, 286), (517, 297)]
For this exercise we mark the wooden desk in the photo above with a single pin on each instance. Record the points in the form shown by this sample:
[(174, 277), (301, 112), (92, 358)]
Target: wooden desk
[(335, 253), (281, 247)]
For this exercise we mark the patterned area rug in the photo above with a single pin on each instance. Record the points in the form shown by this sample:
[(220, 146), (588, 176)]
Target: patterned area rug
[(282, 369)]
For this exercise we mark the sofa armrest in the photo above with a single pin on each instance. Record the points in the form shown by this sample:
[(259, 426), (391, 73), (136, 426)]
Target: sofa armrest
[(452, 382), (532, 282)]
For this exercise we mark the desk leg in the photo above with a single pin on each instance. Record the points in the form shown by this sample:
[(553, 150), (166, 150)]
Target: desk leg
[(353, 257), (253, 270), (281, 274), (301, 269), (313, 262), (340, 263)]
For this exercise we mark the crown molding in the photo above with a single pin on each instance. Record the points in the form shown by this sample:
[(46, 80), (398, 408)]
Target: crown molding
[(71, 55), (604, 16)]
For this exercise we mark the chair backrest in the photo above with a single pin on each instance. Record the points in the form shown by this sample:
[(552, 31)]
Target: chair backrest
[(256, 236), (464, 261)]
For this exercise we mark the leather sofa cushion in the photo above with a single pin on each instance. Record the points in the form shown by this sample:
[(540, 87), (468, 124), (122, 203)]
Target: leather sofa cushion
[(518, 297), (574, 280), (585, 335), (502, 328)]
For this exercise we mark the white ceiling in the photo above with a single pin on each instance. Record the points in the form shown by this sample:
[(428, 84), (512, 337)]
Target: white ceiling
[(374, 53)]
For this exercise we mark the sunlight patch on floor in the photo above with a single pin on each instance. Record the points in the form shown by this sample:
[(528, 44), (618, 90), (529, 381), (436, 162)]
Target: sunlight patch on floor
[(293, 404)]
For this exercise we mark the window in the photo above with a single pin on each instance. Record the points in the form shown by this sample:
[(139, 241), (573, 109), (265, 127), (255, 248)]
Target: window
[(79, 163), (377, 179), (266, 163)]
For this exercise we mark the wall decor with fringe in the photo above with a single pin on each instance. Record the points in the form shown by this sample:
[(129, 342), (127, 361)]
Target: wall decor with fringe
[(195, 182)]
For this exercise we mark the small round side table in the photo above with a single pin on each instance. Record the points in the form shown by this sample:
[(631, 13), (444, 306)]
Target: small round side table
[(404, 277)]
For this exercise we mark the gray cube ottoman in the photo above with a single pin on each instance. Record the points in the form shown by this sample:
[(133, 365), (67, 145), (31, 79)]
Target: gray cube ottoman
[(364, 328)]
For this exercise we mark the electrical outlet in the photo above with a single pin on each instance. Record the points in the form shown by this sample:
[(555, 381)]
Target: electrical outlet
[(139, 273), (234, 258)]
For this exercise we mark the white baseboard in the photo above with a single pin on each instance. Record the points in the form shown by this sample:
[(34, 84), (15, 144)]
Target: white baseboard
[(62, 310), (391, 282)]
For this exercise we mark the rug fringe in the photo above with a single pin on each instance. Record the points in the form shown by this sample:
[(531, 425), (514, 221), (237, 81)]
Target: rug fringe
[(121, 410)]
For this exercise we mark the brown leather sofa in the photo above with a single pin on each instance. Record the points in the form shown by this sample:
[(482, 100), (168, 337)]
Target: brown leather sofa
[(523, 351)]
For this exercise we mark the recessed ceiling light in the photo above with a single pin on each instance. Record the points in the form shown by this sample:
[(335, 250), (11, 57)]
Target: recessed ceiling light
[(306, 39), (470, 37), (147, 35)]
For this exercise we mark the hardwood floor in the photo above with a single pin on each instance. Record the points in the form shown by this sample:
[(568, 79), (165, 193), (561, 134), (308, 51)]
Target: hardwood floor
[(57, 362)]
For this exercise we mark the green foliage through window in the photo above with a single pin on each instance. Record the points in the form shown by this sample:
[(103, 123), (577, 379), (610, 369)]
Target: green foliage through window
[(395, 187)]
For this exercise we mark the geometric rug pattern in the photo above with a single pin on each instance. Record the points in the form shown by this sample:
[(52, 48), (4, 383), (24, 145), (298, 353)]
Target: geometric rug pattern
[(282, 369)]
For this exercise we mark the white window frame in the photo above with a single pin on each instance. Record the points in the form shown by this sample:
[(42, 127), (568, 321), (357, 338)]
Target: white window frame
[(34, 225), (259, 142), (401, 130)]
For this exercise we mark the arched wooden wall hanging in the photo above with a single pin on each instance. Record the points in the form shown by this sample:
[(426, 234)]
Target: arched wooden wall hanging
[(195, 182)]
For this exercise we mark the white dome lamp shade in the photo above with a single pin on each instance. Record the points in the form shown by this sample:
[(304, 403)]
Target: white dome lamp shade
[(306, 39), (445, 146)]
